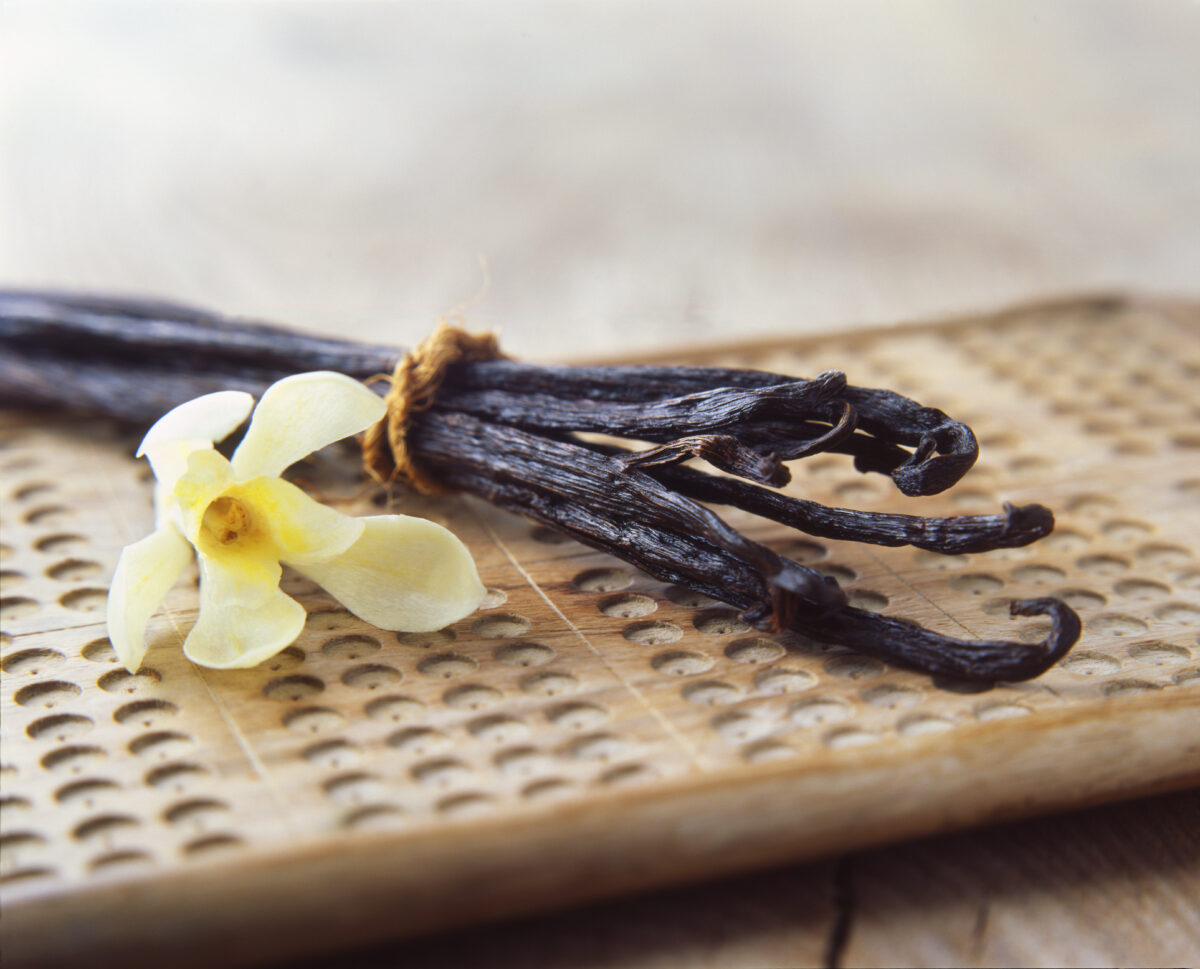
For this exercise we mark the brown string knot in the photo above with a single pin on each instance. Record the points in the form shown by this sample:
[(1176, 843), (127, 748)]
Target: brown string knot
[(416, 379)]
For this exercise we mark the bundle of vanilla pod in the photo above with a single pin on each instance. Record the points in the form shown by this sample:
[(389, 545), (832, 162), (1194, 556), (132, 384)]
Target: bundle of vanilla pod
[(510, 433)]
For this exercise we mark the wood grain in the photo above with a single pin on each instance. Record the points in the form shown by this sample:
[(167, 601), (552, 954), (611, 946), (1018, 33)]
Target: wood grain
[(592, 731), (1012, 895)]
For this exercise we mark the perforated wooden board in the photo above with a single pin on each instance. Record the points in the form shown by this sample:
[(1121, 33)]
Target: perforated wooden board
[(591, 730)]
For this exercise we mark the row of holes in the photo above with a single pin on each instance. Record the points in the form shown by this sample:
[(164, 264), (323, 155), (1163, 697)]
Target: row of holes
[(854, 667)]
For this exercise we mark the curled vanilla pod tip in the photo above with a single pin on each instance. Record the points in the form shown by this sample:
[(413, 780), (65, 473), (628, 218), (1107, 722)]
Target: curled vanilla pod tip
[(508, 432)]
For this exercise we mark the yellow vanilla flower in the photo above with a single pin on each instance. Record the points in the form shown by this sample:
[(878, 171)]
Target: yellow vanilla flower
[(244, 522)]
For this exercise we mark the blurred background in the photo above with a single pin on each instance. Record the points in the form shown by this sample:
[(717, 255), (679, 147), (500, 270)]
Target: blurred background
[(635, 175)]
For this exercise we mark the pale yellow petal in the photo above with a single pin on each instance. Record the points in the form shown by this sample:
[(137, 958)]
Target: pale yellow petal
[(403, 574), (210, 418), (301, 530), (145, 572), (208, 474), (168, 460), (302, 414), (244, 617), (189, 427)]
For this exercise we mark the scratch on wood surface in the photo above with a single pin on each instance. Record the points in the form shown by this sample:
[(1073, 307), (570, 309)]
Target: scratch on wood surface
[(690, 750), (843, 913), (280, 802)]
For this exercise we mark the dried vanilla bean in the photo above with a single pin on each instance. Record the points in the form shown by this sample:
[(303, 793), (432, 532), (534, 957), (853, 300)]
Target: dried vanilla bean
[(134, 359), (945, 449), (704, 411), (571, 478), (507, 432), (587, 497), (956, 535)]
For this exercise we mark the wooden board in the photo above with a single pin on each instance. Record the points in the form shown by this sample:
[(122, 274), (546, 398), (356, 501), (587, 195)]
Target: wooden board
[(591, 730)]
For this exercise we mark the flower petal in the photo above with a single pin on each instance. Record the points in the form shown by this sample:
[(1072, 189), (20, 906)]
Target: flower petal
[(144, 575), (210, 418), (189, 427), (302, 414), (301, 529), (244, 616), (403, 574)]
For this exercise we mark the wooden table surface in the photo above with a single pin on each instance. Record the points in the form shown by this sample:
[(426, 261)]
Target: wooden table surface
[(637, 176), (1104, 887)]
